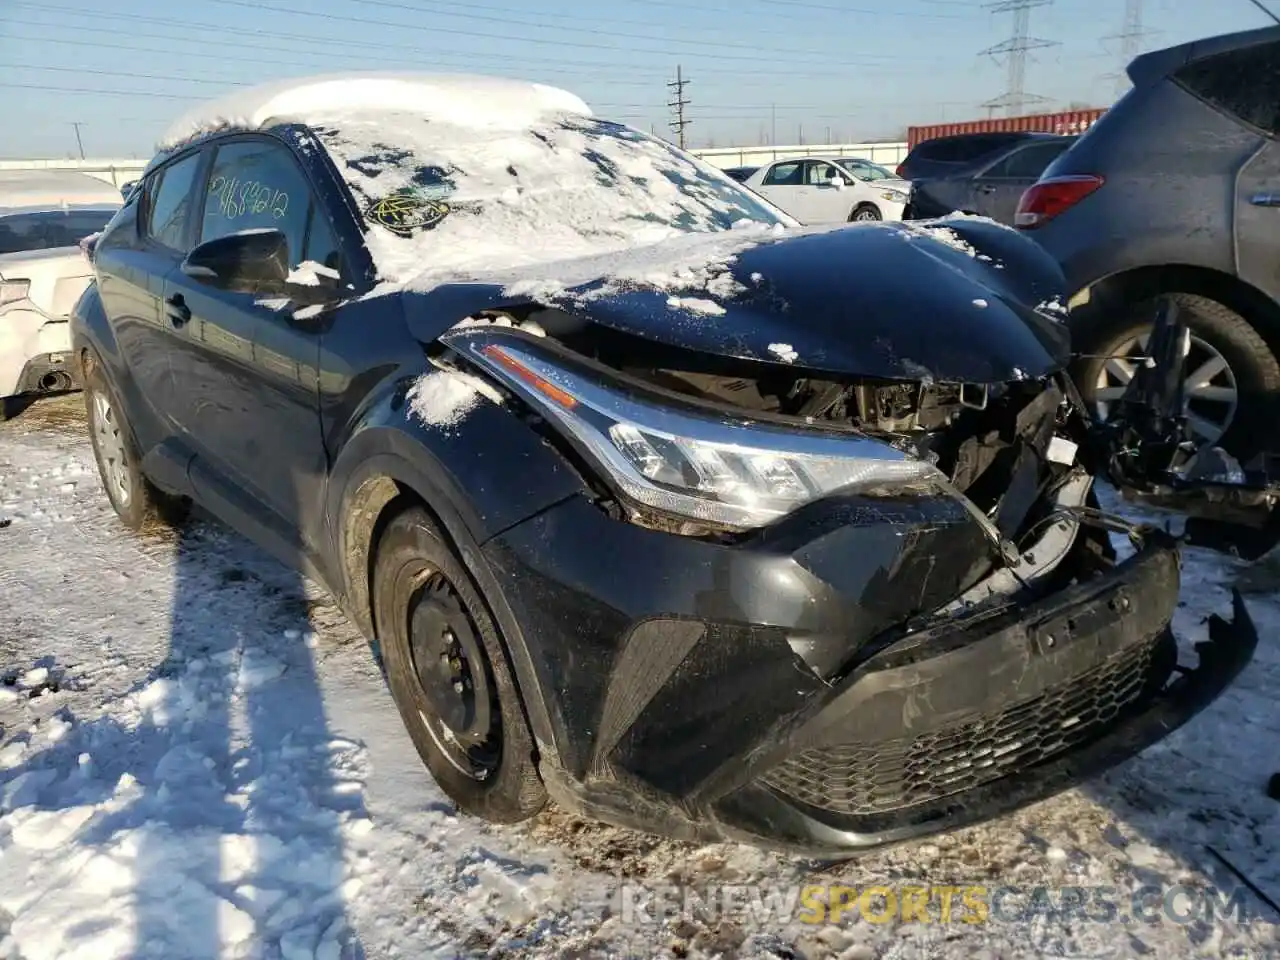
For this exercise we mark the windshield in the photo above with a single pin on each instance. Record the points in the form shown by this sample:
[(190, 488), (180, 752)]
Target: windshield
[(47, 229), (865, 170), (466, 200)]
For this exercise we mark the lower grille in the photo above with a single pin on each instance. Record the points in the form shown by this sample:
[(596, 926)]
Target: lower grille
[(860, 779)]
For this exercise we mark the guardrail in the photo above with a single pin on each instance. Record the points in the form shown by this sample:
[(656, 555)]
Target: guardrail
[(113, 171), (121, 171), (886, 154)]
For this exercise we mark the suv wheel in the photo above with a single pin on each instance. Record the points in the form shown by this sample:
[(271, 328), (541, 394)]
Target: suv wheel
[(135, 499), (449, 674), (1231, 377), (865, 213)]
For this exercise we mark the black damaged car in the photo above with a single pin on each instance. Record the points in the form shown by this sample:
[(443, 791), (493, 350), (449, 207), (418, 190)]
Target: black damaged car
[(654, 502)]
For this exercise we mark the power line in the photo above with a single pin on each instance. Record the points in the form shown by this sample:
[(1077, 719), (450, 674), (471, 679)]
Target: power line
[(436, 10), (1015, 98), (736, 12), (486, 35), (678, 121), (310, 40)]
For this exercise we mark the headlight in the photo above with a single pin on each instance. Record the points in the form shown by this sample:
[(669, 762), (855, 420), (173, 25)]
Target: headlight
[(893, 196), (677, 458)]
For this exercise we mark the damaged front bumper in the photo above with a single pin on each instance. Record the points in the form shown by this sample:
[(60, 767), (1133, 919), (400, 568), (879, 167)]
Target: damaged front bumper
[(762, 691)]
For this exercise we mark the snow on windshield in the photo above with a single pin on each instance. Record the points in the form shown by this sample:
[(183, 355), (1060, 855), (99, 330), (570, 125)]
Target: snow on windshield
[(447, 201)]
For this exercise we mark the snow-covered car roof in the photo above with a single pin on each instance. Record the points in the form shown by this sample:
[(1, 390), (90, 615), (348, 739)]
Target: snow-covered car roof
[(460, 176), (458, 99), (30, 191)]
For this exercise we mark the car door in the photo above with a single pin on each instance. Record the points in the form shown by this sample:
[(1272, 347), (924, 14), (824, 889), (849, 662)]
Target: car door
[(784, 185), (153, 236), (832, 193), (997, 189), (246, 372)]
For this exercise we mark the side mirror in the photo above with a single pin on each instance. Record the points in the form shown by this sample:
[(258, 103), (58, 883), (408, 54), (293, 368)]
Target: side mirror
[(254, 261), (837, 182)]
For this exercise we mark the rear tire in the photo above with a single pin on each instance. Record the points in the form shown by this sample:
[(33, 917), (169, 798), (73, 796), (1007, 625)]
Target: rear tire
[(1251, 370), (865, 213), (449, 674), (135, 499)]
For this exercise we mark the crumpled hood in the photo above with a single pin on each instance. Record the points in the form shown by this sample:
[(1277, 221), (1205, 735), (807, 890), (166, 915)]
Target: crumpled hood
[(964, 299)]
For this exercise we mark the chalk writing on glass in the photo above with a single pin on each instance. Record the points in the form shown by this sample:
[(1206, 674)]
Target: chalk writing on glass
[(238, 198)]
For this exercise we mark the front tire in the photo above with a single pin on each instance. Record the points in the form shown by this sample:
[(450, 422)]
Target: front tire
[(865, 213), (449, 674), (1232, 376), (135, 499)]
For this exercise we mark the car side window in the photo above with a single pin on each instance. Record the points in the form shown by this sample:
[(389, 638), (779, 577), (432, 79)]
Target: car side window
[(817, 172), (785, 175), (169, 203), (1244, 83), (256, 184)]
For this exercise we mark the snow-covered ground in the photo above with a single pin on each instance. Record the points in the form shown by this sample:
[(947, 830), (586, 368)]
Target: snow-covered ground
[(198, 758)]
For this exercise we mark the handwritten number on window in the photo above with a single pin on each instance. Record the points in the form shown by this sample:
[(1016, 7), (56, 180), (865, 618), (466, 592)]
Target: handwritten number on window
[(236, 198)]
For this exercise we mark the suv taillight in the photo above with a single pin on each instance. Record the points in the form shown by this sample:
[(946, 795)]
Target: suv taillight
[(1045, 200), (902, 174)]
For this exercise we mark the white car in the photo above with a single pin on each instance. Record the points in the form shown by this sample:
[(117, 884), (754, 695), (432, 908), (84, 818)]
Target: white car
[(43, 217), (874, 174), (820, 190)]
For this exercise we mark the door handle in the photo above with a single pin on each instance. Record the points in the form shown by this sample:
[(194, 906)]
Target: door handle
[(986, 188), (1265, 199), (177, 310)]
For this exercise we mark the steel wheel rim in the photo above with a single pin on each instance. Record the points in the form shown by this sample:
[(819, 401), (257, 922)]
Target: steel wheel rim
[(1211, 393), (864, 215), (453, 678), (111, 451)]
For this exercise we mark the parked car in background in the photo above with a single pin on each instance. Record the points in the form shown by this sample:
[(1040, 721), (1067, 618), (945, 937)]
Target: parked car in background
[(873, 173), (43, 217), (823, 571), (989, 184), (940, 155), (741, 173), (820, 190), (1176, 190)]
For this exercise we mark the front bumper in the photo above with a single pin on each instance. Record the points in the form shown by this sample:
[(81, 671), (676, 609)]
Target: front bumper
[(756, 692)]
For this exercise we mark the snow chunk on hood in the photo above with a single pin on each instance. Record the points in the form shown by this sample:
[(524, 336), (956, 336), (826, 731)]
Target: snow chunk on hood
[(458, 99)]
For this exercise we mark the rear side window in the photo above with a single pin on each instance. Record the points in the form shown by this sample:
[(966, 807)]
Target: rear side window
[(23, 232), (1244, 83), (962, 149), (169, 207), (785, 174), (1027, 163)]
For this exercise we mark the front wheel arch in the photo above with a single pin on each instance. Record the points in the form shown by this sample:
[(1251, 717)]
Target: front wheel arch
[(380, 489), (865, 207)]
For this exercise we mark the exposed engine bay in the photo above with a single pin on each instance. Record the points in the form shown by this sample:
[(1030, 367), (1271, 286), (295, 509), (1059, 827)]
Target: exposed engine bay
[(1004, 446)]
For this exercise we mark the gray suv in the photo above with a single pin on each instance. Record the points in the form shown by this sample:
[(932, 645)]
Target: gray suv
[(1176, 190)]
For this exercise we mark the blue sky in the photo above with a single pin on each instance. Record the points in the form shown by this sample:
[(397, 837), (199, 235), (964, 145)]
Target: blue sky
[(853, 69)]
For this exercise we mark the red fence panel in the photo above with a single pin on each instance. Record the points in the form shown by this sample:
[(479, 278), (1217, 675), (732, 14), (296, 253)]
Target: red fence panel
[(1063, 122)]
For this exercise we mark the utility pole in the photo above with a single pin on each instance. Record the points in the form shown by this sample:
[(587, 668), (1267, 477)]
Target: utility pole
[(773, 126), (678, 120), (1015, 98), (79, 142)]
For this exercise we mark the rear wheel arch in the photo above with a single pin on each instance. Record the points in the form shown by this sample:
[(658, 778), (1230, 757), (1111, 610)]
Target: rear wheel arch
[(1235, 319), (1131, 287)]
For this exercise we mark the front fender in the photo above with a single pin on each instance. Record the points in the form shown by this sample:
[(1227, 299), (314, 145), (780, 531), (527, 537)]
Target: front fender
[(479, 477)]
